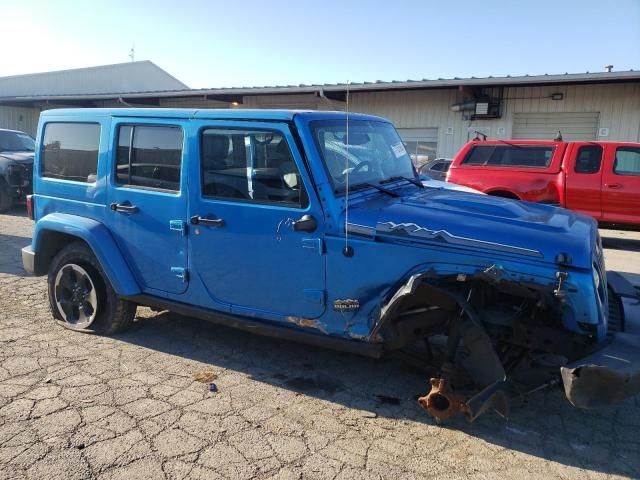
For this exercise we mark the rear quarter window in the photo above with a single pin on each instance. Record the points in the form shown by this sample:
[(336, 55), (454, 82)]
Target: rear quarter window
[(70, 151), (527, 156), (627, 161)]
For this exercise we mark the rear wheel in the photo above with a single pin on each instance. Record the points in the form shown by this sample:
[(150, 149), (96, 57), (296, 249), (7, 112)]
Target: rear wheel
[(80, 295), (6, 200)]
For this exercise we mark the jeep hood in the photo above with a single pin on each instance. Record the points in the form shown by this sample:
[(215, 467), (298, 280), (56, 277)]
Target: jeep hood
[(478, 222), (25, 157)]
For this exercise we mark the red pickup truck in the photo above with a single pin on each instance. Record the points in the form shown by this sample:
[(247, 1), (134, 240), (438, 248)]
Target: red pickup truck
[(600, 179)]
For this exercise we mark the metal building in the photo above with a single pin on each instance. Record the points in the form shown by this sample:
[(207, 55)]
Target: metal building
[(110, 80), (434, 117)]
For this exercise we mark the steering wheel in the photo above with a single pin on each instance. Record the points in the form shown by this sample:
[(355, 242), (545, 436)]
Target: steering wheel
[(359, 167)]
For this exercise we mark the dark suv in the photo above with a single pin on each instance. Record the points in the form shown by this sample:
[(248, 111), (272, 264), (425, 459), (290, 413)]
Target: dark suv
[(16, 167)]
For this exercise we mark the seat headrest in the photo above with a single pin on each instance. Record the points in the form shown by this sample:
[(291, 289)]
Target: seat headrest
[(282, 148), (215, 146)]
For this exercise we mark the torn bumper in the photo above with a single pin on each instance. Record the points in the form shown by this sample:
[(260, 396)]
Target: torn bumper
[(612, 373), (605, 377)]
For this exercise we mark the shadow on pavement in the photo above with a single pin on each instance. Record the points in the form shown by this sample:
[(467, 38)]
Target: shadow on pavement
[(616, 243), (19, 210), (545, 425), (10, 255)]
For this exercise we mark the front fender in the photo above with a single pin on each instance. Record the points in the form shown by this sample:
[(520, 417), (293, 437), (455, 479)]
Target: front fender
[(97, 236)]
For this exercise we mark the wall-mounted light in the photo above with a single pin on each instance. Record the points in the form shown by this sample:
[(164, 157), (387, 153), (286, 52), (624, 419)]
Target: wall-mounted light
[(234, 104), (557, 96)]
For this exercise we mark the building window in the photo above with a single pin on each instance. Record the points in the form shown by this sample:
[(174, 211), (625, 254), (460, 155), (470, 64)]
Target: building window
[(627, 161), (70, 151), (149, 157), (589, 159), (250, 166)]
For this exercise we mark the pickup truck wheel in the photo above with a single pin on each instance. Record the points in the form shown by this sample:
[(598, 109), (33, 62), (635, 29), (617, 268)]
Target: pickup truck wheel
[(80, 295), (6, 200)]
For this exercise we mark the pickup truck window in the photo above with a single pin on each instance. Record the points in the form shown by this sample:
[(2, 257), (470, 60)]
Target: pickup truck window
[(627, 161), (149, 157), (528, 156), (70, 151), (588, 159), (250, 166), (373, 153)]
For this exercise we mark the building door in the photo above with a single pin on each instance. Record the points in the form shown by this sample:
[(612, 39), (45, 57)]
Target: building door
[(420, 143), (578, 127)]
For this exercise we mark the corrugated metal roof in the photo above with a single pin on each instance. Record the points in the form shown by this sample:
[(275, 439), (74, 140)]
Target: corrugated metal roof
[(128, 77), (378, 85)]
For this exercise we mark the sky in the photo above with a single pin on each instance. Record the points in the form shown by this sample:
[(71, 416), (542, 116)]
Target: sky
[(284, 42)]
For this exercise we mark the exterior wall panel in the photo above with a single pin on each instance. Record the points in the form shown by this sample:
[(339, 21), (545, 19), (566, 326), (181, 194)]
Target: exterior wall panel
[(618, 106), (20, 118)]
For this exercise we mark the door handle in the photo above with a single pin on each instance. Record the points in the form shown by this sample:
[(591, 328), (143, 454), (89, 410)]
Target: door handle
[(306, 223), (119, 207), (207, 222), (614, 186)]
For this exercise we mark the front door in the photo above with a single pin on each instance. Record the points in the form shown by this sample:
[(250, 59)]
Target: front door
[(148, 203), (583, 175), (256, 226), (621, 188)]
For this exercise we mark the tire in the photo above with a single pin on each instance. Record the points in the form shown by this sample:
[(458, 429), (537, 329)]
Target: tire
[(6, 200), (81, 297)]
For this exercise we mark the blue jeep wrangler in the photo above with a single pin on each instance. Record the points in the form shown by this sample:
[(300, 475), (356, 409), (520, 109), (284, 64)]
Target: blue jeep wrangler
[(314, 227)]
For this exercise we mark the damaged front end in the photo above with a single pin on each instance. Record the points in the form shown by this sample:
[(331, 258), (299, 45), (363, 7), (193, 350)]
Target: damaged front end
[(500, 336)]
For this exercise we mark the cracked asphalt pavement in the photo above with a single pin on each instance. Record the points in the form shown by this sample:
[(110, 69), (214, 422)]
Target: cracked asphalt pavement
[(76, 406)]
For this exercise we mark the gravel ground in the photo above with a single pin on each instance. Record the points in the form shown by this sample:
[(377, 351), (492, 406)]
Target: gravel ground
[(75, 406)]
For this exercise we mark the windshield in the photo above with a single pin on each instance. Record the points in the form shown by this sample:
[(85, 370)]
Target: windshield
[(16, 142), (374, 152)]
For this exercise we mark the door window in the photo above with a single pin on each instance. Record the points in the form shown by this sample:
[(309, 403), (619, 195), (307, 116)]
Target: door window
[(589, 159), (627, 161), (70, 151), (250, 166), (149, 157)]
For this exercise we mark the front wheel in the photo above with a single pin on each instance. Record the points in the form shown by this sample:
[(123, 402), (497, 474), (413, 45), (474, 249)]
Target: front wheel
[(80, 295)]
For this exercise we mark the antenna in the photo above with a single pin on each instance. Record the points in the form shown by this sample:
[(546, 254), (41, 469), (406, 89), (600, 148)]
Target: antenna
[(132, 53), (347, 251)]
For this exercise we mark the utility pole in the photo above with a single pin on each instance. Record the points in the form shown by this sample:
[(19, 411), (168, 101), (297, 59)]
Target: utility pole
[(132, 53)]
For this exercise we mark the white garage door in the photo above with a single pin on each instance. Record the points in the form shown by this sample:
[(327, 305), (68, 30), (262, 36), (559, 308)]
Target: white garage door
[(421, 143), (545, 126)]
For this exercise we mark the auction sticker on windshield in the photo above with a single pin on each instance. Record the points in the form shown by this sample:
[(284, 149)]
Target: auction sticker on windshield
[(398, 150)]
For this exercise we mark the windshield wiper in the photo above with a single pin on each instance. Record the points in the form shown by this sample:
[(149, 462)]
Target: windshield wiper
[(391, 193), (417, 183)]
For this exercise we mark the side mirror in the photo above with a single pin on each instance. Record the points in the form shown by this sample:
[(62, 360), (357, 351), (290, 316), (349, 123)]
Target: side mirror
[(306, 224)]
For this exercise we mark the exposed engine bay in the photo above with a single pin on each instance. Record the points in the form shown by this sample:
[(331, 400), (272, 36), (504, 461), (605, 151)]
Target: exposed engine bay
[(488, 339)]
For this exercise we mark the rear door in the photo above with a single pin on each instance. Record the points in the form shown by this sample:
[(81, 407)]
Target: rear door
[(245, 199), (583, 178), (621, 184), (148, 202)]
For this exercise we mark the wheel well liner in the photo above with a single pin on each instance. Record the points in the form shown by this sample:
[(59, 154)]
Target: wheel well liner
[(503, 194)]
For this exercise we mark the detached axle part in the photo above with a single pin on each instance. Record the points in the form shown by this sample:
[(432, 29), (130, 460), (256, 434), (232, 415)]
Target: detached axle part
[(442, 402)]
